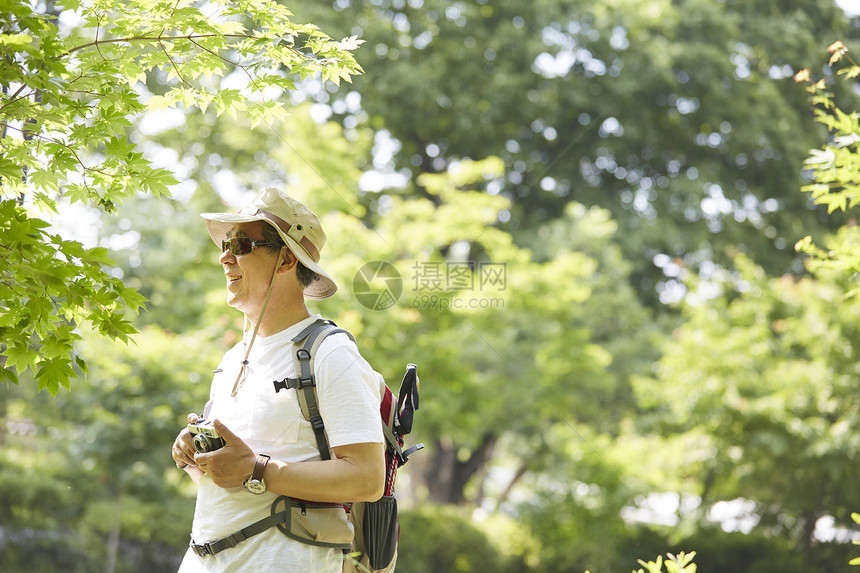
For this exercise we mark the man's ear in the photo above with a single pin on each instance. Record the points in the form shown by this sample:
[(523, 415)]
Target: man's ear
[(289, 261)]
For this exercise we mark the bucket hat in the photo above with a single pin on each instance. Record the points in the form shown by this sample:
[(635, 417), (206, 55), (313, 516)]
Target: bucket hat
[(297, 225)]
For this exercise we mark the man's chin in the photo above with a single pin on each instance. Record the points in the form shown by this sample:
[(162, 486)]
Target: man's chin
[(233, 300), (240, 304)]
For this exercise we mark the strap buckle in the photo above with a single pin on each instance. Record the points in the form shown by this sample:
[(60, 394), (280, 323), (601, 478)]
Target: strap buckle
[(317, 423), (201, 549), (293, 383)]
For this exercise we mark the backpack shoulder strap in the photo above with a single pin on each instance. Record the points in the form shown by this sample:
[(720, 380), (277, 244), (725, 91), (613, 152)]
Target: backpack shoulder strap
[(305, 383)]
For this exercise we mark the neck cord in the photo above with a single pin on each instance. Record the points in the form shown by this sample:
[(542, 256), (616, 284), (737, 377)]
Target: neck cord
[(240, 378)]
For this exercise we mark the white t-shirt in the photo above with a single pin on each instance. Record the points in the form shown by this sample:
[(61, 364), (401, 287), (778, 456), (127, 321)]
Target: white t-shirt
[(271, 423)]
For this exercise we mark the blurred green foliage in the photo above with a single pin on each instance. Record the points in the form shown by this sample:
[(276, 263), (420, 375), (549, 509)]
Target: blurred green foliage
[(448, 541), (93, 461), (678, 117), (653, 353)]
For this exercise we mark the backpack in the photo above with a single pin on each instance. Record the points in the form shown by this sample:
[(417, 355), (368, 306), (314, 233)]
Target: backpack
[(375, 524)]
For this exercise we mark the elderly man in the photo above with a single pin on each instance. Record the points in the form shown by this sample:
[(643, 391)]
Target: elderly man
[(270, 255)]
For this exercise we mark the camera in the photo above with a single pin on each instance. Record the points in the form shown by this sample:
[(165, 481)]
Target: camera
[(206, 438)]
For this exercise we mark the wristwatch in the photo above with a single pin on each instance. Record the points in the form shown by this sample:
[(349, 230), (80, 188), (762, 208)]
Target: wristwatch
[(255, 483)]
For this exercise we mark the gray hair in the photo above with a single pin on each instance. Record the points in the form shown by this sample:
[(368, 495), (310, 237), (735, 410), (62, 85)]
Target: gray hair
[(304, 274)]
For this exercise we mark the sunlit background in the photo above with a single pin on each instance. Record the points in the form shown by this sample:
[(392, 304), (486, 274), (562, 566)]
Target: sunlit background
[(592, 209)]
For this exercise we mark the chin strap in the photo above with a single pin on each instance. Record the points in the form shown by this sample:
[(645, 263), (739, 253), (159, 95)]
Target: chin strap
[(240, 378)]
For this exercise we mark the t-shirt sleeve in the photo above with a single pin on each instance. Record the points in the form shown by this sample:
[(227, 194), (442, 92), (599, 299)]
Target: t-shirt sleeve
[(349, 393)]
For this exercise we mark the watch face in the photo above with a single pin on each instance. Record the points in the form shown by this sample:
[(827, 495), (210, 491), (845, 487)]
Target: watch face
[(255, 486)]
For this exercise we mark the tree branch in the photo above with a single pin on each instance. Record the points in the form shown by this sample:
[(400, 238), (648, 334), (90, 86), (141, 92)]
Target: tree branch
[(232, 63), (14, 97), (66, 145), (172, 63), (521, 471), (158, 38)]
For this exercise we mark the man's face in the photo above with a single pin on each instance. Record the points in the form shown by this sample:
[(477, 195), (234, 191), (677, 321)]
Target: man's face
[(248, 276)]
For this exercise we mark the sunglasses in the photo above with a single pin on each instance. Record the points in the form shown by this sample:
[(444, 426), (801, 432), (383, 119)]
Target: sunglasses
[(242, 245)]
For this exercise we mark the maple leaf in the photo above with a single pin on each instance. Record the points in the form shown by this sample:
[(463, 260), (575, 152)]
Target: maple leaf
[(837, 45), (350, 43), (836, 49)]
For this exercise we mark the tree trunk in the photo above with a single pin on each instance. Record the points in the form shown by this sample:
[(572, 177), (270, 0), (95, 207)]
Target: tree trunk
[(112, 547), (113, 537), (810, 518), (446, 476)]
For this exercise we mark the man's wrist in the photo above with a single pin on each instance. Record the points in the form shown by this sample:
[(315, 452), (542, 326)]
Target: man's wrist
[(255, 484)]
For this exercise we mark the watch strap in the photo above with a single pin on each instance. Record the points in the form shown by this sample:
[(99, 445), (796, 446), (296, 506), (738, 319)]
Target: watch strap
[(260, 467)]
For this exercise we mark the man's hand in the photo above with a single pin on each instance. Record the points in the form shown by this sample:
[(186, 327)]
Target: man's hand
[(183, 447), (231, 465)]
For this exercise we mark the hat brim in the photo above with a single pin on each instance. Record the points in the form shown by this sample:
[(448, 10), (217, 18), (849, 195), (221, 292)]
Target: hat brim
[(219, 224)]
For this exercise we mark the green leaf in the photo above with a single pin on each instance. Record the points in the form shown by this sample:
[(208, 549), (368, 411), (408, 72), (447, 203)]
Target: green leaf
[(350, 43), (98, 255), (7, 375), (158, 102), (157, 180), (45, 179), (54, 373), (231, 27), (16, 40), (20, 358), (82, 364), (120, 147)]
